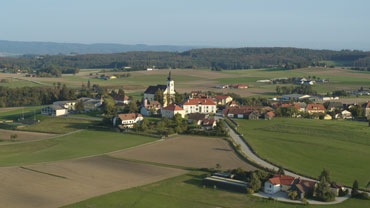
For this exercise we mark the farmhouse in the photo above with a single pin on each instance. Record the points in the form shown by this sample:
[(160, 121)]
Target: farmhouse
[(127, 120), (335, 106), (171, 110), (278, 183), (315, 108), (121, 99), (54, 110), (208, 123), (167, 91), (303, 187), (197, 118), (150, 108), (91, 104), (199, 105), (222, 99)]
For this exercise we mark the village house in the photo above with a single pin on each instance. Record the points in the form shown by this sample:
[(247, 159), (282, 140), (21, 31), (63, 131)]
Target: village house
[(197, 118), (332, 106), (92, 104), (150, 108), (199, 105), (345, 114), (315, 108), (248, 112), (128, 120), (121, 99), (295, 97), (303, 187), (67, 104), (208, 123), (171, 110), (239, 86), (54, 110), (278, 183), (367, 110), (269, 115), (222, 99), (168, 91), (328, 117)]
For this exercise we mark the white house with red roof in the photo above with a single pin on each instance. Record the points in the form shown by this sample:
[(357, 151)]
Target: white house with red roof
[(171, 110), (278, 183), (199, 105), (222, 99), (121, 99), (127, 120)]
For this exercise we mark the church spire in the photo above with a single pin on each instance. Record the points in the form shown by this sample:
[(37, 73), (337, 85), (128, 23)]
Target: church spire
[(169, 76)]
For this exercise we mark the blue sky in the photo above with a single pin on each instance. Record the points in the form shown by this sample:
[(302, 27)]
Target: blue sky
[(334, 24)]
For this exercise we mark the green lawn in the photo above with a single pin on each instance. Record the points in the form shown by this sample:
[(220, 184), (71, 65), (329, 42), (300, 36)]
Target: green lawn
[(307, 146), (80, 144), (187, 191), (17, 113), (58, 125), (13, 83)]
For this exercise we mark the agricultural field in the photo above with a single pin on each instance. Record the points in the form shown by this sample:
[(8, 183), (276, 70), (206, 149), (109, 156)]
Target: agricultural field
[(308, 146), (187, 191), (17, 112), (22, 136), (79, 144), (56, 184), (188, 151)]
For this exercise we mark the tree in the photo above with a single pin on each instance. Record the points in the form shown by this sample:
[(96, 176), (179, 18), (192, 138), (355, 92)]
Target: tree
[(323, 192), (355, 191), (108, 107), (325, 174), (144, 125), (281, 171), (179, 98), (132, 107), (80, 106), (158, 96), (13, 137), (293, 195), (88, 84), (255, 182)]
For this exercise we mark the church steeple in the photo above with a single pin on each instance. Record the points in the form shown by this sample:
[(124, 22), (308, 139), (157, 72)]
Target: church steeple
[(169, 76)]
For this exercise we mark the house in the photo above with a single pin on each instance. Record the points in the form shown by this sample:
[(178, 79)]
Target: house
[(255, 115), (346, 114), (150, 108), (332, 106), (303, 187), (295, 97), (171, 110), (197, 117), (239, 86), (127, 120), (269, 115), (121, 99), (54, 110), (315, 108), (222, 86), (199, 105), (91, 104), (241, 111), (327, 117), (168, 91), (222, 99), (367, 110), (308, 82), (67, 104), (278, 183), (208, 123)]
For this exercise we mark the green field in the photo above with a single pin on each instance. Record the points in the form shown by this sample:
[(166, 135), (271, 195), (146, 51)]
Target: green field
[(13, 83), (17, 113), (308, 146), (80, 144), (187, 191), (58, 125)]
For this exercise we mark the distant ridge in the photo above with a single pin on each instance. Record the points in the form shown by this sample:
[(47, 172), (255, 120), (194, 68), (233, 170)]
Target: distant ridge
[(14, 48)]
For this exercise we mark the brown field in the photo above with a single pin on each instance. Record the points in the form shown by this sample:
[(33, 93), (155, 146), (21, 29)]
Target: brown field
[(188, 151), (23, 136), (61, 183)]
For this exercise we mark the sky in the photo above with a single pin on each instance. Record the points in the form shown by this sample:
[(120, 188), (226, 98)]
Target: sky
[(318, 24)]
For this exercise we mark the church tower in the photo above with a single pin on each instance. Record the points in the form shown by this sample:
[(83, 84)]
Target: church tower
[(170, 85)]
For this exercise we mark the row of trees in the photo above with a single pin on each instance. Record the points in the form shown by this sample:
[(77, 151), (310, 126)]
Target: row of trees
[(301, 89)]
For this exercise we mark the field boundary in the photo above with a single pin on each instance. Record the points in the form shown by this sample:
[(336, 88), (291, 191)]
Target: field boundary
[(45, 173)]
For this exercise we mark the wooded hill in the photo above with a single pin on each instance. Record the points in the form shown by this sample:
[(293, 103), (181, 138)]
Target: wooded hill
[(215, 58)]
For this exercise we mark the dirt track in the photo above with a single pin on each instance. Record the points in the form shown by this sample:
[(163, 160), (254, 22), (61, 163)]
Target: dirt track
[(188, 151), (60, 183)]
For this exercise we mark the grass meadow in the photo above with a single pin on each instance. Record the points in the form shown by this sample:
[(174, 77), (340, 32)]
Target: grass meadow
[(80, 144), (308, 146)]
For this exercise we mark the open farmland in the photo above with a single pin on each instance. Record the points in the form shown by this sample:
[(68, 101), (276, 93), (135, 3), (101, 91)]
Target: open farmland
[(80, 144), (187, 191), (22, 136), (60, 183), (188, 151), (308, 146)]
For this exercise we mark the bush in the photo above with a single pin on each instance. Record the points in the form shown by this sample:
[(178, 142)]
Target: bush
[(304, 201), (250, 191), (293, 195), (363, 195)]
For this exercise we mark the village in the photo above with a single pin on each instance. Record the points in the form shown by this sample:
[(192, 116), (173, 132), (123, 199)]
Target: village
[(163, 112)]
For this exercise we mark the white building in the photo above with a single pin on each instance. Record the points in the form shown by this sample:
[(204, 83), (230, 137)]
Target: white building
[(171, 110), (121, 99), (168, 91), (278, 183), (54, 110), (67, 104), (127, 120), (199, 105)]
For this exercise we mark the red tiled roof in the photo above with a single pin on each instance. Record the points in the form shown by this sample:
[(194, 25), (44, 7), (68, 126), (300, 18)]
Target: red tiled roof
[(315, 107), (172, 107), (120, 97), (208, 122), (199, 101), (129, 116), (270, 114), (281, 179), (221, 97), (286, 105)]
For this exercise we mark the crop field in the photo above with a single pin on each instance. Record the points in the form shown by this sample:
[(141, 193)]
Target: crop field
[(60, 183), (308, 146), (22, 136), (80, 144), (187, 191), (188, 151)]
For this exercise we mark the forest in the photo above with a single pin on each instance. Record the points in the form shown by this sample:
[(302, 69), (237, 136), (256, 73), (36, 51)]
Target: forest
[(212, 58)]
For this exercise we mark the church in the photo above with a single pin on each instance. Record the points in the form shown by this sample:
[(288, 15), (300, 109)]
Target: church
[(168, 91)]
